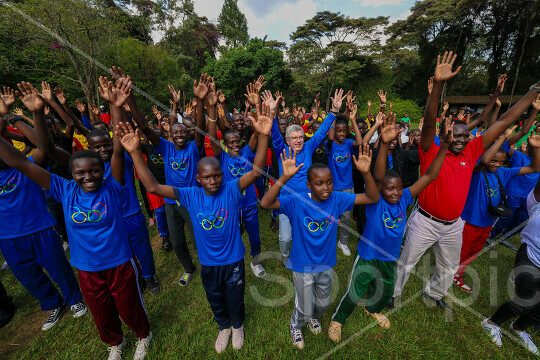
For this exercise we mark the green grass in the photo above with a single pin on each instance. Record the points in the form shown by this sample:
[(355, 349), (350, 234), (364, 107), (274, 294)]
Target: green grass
[(183, 327)]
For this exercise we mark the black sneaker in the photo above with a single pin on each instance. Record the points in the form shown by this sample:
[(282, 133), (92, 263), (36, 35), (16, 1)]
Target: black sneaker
[(166, 243), (508, 244), (439, 303), (7, 311), (153, 285), (54, 317)]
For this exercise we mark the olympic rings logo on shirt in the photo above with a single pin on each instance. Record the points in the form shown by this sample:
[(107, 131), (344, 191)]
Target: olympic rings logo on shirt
[(182, 166), (392, 223), (156, 159), (491, 192), (94, 215), (213, 221), (342, 158), (237, 171), (10, 185), (320, 151), (318, 224)]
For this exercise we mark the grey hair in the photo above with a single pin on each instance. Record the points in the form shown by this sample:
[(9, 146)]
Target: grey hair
[(292, 128)]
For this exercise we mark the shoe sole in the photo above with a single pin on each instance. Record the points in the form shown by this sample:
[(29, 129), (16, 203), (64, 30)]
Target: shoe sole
[(56, 322)]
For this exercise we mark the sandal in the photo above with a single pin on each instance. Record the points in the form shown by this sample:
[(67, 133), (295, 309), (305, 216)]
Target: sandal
[(185, 279), (381, 319)]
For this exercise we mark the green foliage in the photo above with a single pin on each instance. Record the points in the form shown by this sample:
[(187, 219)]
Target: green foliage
[(232, 24), (240, 66)]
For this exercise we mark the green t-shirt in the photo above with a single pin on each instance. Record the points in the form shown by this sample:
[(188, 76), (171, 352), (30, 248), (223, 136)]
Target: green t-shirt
[(405, 119), (524, 138)]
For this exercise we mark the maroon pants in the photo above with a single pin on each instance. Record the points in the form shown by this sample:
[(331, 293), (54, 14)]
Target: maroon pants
[(474, 238), (114, 292)]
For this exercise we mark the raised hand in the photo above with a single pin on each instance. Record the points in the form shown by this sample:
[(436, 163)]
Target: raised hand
[(500, 83), (117, 94), (430, 85), (461, 115), (201, 89), (363, 160), (18, 112), (421, 124), (252, 94), (60, 95), (94, 109), (449, 130), (30, 97), (498, 103), (175, 95), (534, 139), (295, 111), (354, 109), (221, 112), (390, 130), (369, 103), (379, 119), (46, 91), (221, 97), (337, 100), (8, 96), (446, 106), (189, 109), (80, 106), (211, 95), (316, 101), (382, 96), (536, 103), (289, 163), (509, 131), (262, 123), (130, 139), (47, 110), (443, 70), (127, 108), (390, 107), (259, 83)]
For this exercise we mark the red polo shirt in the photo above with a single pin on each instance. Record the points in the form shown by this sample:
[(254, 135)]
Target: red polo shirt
[(445, 197)]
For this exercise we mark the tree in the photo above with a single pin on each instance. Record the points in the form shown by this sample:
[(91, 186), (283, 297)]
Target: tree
[(240, 66), (232, 25)]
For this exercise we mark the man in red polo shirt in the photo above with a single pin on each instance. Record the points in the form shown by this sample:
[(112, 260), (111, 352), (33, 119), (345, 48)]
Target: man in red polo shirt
[(436, 221)]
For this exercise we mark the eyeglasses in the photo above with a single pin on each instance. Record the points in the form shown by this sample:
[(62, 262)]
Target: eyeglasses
[(296, 138)]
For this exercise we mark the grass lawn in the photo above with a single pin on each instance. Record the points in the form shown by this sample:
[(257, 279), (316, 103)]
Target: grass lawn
[(183, 326)]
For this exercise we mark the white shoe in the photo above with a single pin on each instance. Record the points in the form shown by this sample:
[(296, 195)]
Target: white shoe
[(525, 340), (115, 352), (238, 338), (297, 338), (142, 347), (79, 309), (494, 332), (66, 247), (258, 270), (314, 326), (4, 266), (344, 248), (222, 340)]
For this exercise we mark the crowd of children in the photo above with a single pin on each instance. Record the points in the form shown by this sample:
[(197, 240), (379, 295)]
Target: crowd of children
[(317, 172)]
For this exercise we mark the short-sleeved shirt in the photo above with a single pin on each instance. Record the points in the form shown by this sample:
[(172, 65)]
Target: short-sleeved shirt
[(383, 232), (94, 223), (531, 233), (234, 167), (521, 186), (476, 208), (23, 204), (445, 197), (180, 165), (155, 162), (298, 183), (340, 164), (215, 223), (406, 119), (314, 229), (130, 201)]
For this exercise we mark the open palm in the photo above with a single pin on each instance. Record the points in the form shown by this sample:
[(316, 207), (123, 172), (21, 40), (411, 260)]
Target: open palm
[(289, 163), (30, 97), (363, 160), (8, 96), (443, 70), (130, 139)]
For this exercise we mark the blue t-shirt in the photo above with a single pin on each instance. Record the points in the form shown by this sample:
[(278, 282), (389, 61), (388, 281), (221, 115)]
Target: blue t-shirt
[(391, 161), (23, 204), (180, 165), (130, 201), (215, 223), (94, 223), (234, 167), (339, 162), (384, 230), (476, 211), (522, 185), (437, 140), (314, 229), (298, 183)]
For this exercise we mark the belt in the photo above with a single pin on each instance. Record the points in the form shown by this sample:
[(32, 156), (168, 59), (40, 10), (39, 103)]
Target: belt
[(426, 214)]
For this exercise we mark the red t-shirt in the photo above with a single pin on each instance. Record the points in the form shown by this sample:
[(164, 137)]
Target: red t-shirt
[(445, 197), (208, 146), (106, 118), (9, 128)]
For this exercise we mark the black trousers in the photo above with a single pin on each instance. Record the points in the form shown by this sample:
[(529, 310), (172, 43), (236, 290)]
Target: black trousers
[(177, 217), (526, 303), (7, 309)]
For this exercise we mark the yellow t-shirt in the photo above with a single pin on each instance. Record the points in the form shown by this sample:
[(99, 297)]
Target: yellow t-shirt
[(82, 140)]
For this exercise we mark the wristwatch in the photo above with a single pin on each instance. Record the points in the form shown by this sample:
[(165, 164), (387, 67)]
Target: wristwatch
[(534, 88)]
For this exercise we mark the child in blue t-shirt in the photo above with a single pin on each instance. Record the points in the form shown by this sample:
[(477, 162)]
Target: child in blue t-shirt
[(99, 246), (314, 218), (478, 219), (375, 266), (213, 208), (340, 151), (235, 162)]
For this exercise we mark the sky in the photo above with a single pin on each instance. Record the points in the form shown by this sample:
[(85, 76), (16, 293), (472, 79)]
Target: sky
[(279, 18)]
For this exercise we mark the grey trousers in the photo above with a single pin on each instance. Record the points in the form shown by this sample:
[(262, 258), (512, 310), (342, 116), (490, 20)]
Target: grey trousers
[(285, 235), (421, 234), (345, 222), (312, 296)]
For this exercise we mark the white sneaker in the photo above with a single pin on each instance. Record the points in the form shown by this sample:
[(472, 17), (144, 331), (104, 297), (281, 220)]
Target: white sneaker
[(142, 347), (494, 332), (344, 248), (258, 270), (525, 340), (314, 326), (297, 338), (222, 340), (115, 352), (238, 338), (79, 309)]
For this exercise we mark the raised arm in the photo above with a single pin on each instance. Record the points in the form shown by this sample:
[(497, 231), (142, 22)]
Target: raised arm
[(528, 124), (319, 136), (269, 200), (363, 164), (261, 125), (534, 166), (509, 117), (389, 132), (67, 117), (200, 90), (211, 100), (132, 143), (378, 123), (443, 73), (435, 167)]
